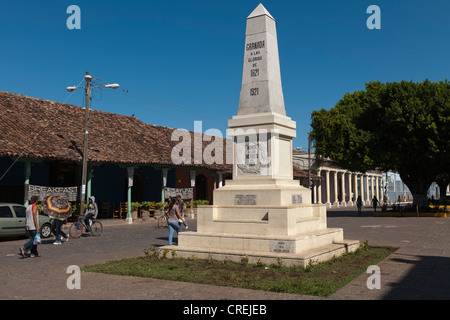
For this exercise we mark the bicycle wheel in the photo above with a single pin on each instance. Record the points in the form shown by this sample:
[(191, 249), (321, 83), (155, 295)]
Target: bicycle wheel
[(162, 222), (75, 230), (96, 228)]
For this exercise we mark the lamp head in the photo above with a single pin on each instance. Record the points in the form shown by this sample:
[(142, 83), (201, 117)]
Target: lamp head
[(112, 86)]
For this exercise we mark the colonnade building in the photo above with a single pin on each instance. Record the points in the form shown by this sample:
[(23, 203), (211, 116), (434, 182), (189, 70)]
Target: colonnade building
[(335, 186)]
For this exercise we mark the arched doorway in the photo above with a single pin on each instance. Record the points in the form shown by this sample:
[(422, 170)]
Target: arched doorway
[(200, 187)]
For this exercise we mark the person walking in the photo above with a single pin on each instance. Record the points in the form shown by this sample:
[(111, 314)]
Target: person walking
[(182, 208), (359, 204), (92, 212), (32, 226), (174, 215), (375, 203), (57, 231)]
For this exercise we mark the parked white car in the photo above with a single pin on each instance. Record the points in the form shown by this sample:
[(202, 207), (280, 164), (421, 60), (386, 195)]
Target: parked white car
[(12, 221)]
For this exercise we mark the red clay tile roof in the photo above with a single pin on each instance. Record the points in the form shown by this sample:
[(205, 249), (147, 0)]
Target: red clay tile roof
[(59, 128), (302, 173)]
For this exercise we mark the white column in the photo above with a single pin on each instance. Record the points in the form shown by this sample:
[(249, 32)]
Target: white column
[(343, 187), (381, 188), (314, 191), (372, 183), (367, 190), (327, 185), (319, 188), (377, 188), (220, 179), (355, 178), (363, 197), (350, 189), (335, 187)]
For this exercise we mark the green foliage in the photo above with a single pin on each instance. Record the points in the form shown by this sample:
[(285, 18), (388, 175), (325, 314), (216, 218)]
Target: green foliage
[(259, 263), (401, 126), (147, 205), (158, 205), (244, 260), (196, 203), (320, 279), (135, 206)]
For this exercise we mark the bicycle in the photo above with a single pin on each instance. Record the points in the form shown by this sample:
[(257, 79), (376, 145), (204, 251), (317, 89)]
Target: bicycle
[(76, 228), (162, 220)]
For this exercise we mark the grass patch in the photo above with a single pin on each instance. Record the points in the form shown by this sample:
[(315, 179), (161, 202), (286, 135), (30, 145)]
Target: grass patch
[(322, 279)]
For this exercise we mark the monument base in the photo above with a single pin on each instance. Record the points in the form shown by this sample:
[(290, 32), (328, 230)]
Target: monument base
[(302, 259), (294, 234)]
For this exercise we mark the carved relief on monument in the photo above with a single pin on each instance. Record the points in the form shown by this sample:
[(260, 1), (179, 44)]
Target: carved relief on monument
[(252, 157)]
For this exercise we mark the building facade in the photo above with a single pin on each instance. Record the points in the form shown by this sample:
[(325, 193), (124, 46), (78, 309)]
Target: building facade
[(336, 186), (41, 144)]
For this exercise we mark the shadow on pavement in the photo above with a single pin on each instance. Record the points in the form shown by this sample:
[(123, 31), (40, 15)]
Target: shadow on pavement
[(428, 279)]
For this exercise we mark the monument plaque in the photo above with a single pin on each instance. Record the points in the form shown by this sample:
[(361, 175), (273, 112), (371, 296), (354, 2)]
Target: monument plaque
[(282, 246), (297, 198), (245, 199)]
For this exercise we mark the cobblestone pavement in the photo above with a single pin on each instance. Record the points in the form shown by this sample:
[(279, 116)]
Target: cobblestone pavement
[(420, 269)]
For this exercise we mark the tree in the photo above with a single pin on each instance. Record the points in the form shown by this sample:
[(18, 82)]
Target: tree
[(400, 126)]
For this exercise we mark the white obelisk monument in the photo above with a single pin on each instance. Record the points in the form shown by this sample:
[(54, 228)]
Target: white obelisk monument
[(263, 213)]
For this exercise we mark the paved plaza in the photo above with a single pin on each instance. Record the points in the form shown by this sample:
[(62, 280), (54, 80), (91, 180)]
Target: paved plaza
[(420, 269)]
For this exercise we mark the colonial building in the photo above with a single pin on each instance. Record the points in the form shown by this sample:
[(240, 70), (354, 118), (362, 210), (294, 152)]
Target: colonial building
[(41, 143), (337, 186)]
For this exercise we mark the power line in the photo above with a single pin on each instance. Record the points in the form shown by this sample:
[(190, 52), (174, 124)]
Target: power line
[(138, 94), (139, 106), (178, 109), (36, 135)]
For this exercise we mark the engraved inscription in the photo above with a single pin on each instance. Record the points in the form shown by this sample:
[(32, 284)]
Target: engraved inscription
[(281, 246), (245, 199), (254, 91), (297, 198)]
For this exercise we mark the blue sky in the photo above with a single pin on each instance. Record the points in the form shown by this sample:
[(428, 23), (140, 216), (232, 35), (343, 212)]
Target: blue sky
[(181, 61)]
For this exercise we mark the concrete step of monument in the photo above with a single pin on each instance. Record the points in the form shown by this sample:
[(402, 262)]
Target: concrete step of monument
[(302, 259), (304, 225), (239, 226), (263, 212), (261, 242)]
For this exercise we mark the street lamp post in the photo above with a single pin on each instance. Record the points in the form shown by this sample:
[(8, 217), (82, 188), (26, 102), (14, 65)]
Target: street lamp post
[(88, 88)]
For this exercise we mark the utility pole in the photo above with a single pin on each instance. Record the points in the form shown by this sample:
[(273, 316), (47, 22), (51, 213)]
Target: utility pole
[(88, 79), (87, 88)]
